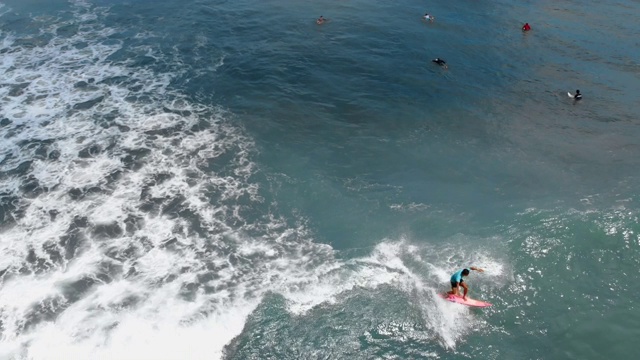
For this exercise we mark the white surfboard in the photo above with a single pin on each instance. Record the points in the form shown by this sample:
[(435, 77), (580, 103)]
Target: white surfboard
[(570, 95)]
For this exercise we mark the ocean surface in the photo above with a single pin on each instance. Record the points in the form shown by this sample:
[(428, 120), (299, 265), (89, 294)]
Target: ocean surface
[(229, 180)]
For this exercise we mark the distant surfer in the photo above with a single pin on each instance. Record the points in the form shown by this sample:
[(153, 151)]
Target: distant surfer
[(526, 27), (577, 96), (321, 20), (457, 280), (440, 62), (428, 17)]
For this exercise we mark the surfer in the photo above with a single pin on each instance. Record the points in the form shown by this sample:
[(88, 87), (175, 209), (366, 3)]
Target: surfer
[(577, 96), (526, 27), (428, 17), (440, 62), (321, 20), (457, 280)]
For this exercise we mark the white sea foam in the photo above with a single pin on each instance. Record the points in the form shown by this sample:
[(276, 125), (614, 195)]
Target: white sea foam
[(95, 324), (411, 207), (129, 247)]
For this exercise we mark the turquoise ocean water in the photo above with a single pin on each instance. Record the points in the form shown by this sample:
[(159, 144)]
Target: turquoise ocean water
[(229, 180)]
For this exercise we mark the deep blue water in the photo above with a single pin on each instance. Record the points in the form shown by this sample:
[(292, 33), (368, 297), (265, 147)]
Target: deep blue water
[(230, 180)]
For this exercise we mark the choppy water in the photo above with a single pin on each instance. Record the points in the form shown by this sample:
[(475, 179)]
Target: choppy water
[(229, 180)]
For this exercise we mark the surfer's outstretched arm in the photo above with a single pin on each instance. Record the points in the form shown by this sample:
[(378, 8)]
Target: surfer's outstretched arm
[(476, 269)]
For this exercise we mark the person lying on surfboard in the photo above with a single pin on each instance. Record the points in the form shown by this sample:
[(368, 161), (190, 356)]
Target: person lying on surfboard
[(457, 280), (440, 62)]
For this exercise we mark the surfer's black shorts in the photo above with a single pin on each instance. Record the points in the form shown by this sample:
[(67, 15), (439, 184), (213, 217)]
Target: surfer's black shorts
[(455, 283)]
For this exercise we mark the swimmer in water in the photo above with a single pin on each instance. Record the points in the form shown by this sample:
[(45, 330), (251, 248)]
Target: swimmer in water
[(526, 27), (428, 17), (321, 20), (440, 62)]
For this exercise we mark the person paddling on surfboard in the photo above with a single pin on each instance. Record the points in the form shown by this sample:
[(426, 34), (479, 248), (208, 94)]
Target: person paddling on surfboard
[(440, 62), (321, 20), (457, 280)]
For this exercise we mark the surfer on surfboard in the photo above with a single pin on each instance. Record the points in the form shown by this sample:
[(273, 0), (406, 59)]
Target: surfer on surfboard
[(457, 281)]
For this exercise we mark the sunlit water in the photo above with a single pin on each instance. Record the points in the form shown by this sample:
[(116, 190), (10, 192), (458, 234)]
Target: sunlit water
[(230, 180)]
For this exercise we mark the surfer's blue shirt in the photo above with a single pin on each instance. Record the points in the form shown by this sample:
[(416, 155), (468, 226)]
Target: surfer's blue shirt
[(457, 277)]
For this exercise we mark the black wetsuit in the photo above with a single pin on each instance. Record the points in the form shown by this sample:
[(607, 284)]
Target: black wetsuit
[(439, 61)]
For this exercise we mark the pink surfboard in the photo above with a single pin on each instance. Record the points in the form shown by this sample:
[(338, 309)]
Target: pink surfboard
[(468, 302)]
